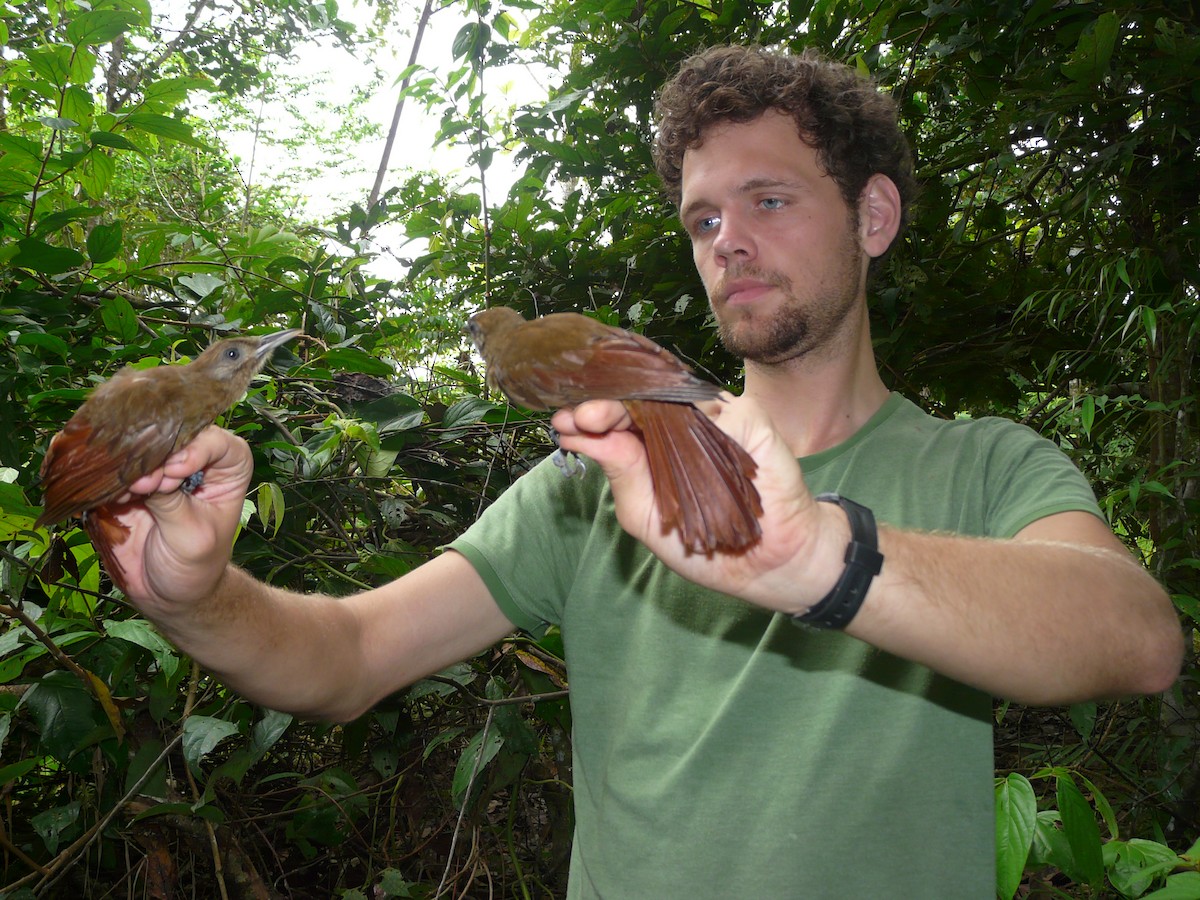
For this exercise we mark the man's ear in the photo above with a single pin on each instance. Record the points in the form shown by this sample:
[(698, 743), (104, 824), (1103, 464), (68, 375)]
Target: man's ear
[(879, 211)]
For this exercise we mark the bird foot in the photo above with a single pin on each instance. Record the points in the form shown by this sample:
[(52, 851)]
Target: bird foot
[(192, 483), (567, 462)]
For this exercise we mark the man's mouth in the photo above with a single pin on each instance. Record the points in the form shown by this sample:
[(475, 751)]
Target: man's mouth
[(744, 291)]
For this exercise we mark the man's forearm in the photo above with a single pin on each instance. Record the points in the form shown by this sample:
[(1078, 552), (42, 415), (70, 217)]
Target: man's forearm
[(1035, 621), (288, 652)]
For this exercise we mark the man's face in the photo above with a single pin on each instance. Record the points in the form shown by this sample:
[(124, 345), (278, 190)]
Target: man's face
[(775, 244)]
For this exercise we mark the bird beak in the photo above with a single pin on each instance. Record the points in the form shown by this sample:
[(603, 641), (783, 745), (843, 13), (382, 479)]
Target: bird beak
[(268, 342), (474, 332)]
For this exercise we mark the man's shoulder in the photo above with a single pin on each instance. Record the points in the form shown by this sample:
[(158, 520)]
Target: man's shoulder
[(959, 428)]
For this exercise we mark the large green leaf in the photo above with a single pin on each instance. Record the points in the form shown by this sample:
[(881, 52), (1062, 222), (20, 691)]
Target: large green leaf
[(100, 26), (1016, 818), (1082, 832), (65, 712), (104, 241), (163, 126), (38, 256), (143, 634), (201, 734)]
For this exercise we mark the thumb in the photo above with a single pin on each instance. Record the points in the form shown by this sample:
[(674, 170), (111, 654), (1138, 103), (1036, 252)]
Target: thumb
[(600, 430)]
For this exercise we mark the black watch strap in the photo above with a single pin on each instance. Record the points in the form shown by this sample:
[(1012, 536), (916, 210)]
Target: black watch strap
[(863, 562)]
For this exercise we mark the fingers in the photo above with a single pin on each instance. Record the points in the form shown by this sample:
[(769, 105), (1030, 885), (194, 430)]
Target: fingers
[(593, 417), (180, 542), (216, 452)]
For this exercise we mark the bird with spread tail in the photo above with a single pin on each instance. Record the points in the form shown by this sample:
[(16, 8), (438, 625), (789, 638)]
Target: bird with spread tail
[(128, 427), (703, 479)]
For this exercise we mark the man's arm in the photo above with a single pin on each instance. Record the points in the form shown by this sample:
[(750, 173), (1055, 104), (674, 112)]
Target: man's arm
[(313, 655), (1061, 613)]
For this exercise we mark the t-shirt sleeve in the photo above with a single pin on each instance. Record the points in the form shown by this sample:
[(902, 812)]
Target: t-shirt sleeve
[(1029, 478), (526, 545)]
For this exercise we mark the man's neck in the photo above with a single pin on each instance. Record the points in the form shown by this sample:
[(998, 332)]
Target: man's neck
[(818, 401)]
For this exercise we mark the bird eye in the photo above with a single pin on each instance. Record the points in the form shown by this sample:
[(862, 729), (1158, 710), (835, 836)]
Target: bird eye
[(232, 353)]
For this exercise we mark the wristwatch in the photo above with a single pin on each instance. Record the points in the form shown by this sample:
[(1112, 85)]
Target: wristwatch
[(863, 562)]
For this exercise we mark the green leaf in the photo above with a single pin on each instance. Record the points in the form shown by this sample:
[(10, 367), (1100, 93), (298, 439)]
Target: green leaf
[(1135, 865), (47, 259), (269, 729), (1193, 852), (1083, 717), (201, 283), (58, 123), (98, 174), (51, 342), (377, 463), (16, 770), (271, 506), (471, 41), (201, 734), (1087, 413), (52, 823), (1089, 63), (441, 738), (119, 318), (1150, 323), (1183, 886), (104, 241), (263, 736), (115, 141), (63, 217), (147, 763), (65, 713), (393, 884), (1103, 807), (352, 359), (392, 413), (480, 751), (1081, 830), (164, 126), (51, 62), (467, 411), (100, 27), (1016, 817), (144, 635)]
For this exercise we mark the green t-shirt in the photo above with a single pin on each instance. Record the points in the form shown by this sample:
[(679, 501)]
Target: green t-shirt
[(720, 751)]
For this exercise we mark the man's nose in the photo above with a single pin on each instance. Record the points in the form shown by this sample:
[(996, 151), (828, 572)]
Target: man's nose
[(734, 241)]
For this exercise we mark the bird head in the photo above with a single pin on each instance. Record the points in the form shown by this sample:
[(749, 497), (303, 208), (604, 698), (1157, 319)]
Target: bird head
[(236, 361), (490, 322)]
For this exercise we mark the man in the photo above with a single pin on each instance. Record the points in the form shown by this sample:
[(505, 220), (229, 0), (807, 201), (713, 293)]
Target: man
[(720, 750)]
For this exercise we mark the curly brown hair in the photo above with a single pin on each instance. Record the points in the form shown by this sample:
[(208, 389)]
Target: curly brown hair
[(839, 113)]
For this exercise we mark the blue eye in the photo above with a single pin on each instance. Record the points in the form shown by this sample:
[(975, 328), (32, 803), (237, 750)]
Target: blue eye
[(772, 203), (707, 224)]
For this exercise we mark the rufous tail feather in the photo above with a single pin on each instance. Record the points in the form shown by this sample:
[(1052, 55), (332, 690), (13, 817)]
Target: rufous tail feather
[(702, 478)]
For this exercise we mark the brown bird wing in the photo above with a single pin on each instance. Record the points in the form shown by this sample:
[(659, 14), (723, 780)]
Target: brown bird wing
[(127, 427), (598, 362), (89, 464)]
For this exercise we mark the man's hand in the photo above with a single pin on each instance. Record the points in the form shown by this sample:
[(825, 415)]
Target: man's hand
[(180, 541), (803, 544)]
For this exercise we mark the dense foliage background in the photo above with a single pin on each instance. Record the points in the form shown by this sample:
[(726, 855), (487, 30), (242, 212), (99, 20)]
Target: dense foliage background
[(1050, 275)]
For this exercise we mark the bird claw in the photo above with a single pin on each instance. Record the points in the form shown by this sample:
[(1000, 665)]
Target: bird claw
[(193, 482), (567, 462)]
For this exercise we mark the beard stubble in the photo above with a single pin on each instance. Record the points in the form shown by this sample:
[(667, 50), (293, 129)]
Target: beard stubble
[(797, 326)]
